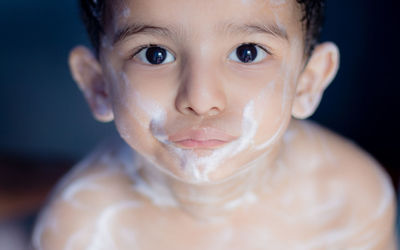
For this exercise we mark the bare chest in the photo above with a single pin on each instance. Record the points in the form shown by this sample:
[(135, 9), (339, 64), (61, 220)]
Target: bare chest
[(281, 223)]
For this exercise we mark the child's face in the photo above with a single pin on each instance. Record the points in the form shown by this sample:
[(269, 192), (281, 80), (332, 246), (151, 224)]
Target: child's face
[(190, 103)]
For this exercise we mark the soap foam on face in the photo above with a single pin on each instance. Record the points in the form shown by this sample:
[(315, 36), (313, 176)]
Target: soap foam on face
[(197, 168)]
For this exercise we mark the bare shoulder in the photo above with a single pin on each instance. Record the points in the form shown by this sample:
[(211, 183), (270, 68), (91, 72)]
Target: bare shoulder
[(331, 152), (368, 191), (88, 197)]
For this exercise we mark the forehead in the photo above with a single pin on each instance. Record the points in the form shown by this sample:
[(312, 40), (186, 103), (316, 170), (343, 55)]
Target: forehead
[(205, 15)]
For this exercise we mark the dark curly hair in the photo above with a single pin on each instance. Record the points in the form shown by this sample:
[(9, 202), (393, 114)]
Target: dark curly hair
[(93, 14)]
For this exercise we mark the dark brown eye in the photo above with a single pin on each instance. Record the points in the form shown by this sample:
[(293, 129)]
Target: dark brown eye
[(155, 55), (248, 53)]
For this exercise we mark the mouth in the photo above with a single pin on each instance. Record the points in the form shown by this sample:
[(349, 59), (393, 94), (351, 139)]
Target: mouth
[(201, 138)]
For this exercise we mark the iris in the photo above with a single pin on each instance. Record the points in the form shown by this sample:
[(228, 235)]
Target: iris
[(156, 55), (246, 53)]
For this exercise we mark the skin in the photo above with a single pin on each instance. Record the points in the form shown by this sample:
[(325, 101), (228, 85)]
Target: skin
[(277, 183)]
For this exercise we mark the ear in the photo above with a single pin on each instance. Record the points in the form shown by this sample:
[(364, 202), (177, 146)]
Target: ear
[(87, 73), (315, 78)]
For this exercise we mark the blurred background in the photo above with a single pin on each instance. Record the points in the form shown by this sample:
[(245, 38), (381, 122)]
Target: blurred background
[(46, 126)]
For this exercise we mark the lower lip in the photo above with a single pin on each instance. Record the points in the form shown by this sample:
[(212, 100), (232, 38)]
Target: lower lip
[(193, 144)]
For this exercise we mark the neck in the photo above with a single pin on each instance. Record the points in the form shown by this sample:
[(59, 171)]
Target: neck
[(211, 200)]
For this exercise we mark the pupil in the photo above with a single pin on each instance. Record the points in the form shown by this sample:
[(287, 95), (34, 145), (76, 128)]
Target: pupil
[(246, 52), (155, 55)]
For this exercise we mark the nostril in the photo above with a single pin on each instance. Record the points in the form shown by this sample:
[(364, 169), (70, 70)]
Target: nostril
[(213, 111), (210, 112), (190, 110)]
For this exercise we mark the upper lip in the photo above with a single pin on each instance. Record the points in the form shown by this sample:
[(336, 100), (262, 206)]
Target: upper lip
[(201, 134)]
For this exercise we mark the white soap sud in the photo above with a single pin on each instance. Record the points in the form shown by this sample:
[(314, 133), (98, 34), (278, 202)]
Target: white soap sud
[(199, 168), (247, 1), (154, 188), (277, 2), (154, 112), (126, 12), (247, 198), (156, 193), (75, 238), (273, 138), (106, 43), (46, 221), (102, 238), (126, 155), (387, 193), (79, 186)]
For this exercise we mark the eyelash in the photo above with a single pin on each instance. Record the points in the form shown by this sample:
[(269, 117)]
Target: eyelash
[(139, 49), (267, 51), (263, 48)]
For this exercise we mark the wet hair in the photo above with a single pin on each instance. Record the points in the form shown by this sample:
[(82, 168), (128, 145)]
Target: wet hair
[(93, 14)]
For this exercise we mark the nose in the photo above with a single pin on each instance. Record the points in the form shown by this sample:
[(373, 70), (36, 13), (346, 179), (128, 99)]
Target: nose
[(201, 93)]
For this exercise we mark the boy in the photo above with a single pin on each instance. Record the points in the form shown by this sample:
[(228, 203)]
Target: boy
[(203, 94)]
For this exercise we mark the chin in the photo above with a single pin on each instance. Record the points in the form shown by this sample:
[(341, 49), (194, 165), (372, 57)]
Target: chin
[(203, 167)]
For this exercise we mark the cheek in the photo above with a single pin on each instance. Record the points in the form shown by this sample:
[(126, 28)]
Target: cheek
[(273, 109), (131, 126), (277, 2), (275, 104), (136, 112)]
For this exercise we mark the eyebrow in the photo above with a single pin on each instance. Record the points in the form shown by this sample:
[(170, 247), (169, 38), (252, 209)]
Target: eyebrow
[(270, 29), (140, 28)]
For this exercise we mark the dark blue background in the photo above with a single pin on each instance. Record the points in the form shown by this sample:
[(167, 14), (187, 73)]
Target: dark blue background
[(43, 115)]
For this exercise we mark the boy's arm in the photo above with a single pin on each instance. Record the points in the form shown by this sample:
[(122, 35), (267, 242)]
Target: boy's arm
[(369, 192), (84, 210), (374, 207), (380, 234)]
